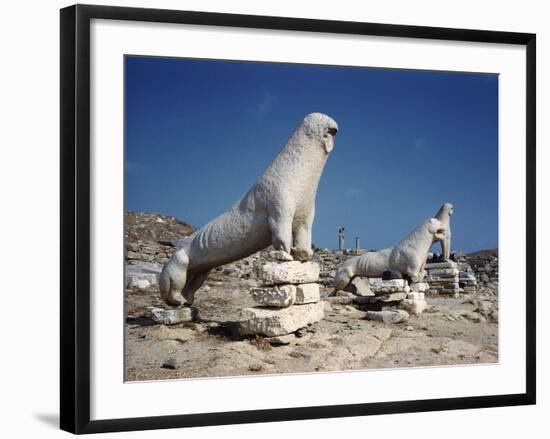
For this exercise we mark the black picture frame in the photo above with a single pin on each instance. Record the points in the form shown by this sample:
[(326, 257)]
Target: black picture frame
[(75, 217)]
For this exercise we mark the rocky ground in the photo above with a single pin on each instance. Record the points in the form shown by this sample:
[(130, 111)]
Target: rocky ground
[(453, 330)]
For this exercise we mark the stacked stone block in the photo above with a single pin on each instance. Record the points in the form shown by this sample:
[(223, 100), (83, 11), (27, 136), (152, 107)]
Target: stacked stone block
[(288, 299), (467, 282), (377, 292), (443, 278)]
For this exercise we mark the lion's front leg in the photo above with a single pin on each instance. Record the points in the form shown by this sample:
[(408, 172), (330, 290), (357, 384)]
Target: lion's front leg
[(447, 251), (302, 250), (280, 224)]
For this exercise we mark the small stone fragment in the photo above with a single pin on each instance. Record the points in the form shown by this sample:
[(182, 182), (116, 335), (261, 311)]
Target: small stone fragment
[(281, 340), (388, 316), (392, 297), (173, 316)]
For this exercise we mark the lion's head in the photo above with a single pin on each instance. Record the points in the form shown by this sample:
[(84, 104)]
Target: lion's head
[(320, 127), (444, 211), (344, 275)]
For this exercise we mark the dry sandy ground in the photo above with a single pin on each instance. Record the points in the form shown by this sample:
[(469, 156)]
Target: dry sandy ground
[(452, 331)]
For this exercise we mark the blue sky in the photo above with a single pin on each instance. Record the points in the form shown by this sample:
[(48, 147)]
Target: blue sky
[(200, 132)]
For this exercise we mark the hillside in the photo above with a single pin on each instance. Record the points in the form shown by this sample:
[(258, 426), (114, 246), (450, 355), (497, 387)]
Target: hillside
[(141, 226)]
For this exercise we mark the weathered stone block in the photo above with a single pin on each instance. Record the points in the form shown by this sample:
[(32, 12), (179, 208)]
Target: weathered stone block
[(293, 272), (391, 297), (443, 272), (341, 300), (419, 286), (359, 286), (388, 316), (379, 282), (173, 316), (415, 307), (307, 293), (445, 264), (415, 303), (276, 322), (277, 295)]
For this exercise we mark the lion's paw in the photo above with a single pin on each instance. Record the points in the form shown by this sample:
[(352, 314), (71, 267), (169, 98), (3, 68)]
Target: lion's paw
[(302, 254)]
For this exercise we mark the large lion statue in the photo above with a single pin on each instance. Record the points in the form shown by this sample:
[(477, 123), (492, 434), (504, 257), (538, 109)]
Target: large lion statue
[(278, 210)]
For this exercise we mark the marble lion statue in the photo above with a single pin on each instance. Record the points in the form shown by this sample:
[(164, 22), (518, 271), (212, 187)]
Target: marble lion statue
[(407, 257), (444, 215), (278, 210)]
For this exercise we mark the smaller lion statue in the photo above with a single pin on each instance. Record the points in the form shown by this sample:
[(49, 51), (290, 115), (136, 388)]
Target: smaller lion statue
[(444, 215), (407, 257)]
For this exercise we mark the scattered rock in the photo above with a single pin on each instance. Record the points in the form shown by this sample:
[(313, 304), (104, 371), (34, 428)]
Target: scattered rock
[(388, 316), (473, 316), (140, 283), (281, 340), (173, 316), (255, 367), (414, 303), (392, 297)]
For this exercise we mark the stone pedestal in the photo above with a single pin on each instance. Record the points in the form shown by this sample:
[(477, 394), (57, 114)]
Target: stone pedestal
[(381, 294), (442, 278), (288, 300), (467, 282)]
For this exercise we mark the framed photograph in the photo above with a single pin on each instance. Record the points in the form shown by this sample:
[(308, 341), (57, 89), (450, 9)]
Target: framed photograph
[(273, 218)]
